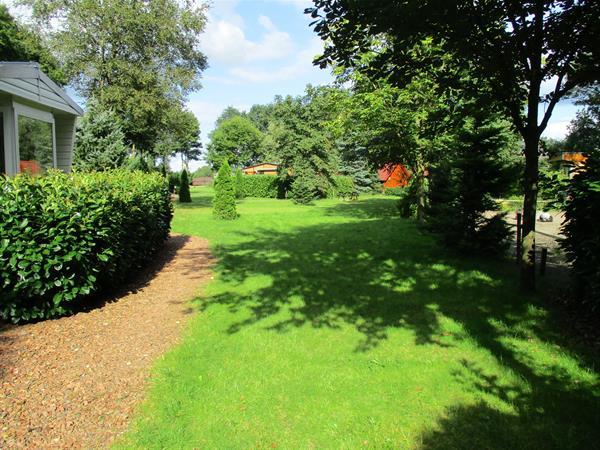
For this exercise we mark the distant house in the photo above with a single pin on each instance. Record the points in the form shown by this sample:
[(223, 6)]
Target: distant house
[(569, 161), (37, 121), (202, 181), (394, 175), (261, 169)]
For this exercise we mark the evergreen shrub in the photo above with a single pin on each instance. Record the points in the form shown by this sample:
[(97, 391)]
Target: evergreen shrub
[(63, 237), (224, 206), (184, 188)]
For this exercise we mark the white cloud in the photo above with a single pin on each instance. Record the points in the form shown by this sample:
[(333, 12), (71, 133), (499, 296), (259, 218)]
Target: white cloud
[(225, 41), (300, 65)]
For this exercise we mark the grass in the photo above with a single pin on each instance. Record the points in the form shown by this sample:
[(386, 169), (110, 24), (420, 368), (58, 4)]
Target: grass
[(340, 325)]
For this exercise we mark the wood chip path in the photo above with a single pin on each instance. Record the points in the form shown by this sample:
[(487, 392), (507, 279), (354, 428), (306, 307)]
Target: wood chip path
[(74, 382)]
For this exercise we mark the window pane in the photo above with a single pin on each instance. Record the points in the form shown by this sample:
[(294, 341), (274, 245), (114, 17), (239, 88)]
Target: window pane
[(2, 161), (35, 145)]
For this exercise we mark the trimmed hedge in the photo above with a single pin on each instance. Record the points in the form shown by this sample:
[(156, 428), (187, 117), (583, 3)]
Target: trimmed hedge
[(261, 186), (63, 237)]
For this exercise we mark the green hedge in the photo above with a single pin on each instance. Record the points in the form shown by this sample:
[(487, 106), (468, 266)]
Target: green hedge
[(261, 186), (62, 237)]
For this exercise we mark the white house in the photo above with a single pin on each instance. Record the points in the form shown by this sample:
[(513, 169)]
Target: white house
[(37, 120)]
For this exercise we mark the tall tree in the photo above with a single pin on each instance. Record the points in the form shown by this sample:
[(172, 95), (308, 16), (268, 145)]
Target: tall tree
[(236, 140), (516, 46), (18, 43), (180, 136), (139, 57)]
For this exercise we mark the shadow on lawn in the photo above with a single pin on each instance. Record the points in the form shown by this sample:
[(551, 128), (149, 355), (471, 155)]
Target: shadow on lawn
[(379, 274)]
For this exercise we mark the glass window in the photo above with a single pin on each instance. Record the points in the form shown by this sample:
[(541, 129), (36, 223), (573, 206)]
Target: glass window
[(35, 146), (2, 157)]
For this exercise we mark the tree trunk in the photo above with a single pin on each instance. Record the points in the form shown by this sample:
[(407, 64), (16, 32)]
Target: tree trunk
[(529, 211), (420, 192)]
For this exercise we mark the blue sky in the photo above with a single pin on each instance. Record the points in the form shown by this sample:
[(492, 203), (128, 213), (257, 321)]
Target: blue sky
[(257, 49)]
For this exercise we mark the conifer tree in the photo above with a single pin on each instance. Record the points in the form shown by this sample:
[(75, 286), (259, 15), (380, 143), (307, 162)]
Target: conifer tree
[(184, 188), (224, 201), (239, 184)]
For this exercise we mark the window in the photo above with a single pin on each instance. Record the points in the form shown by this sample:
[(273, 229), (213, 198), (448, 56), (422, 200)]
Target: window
[(36, 154)]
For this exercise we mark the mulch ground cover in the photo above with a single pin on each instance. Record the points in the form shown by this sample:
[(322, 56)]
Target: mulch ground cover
[(74, 382)]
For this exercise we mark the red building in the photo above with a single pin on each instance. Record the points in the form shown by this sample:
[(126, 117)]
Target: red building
[(394, 175)]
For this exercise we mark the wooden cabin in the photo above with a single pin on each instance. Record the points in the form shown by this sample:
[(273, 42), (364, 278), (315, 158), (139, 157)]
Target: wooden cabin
[(37, 121), (394, 175), (261, 169)]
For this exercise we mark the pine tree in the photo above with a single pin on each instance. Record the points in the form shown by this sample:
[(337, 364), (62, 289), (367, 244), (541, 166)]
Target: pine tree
[(99, 142), (464, 187), (224, 202), (184, 188)]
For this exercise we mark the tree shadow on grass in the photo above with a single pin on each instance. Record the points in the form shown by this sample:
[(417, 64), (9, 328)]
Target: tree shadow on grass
[(381, 274)]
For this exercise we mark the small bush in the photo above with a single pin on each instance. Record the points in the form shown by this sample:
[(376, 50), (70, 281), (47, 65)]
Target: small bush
[(184, 188), (342, 187), (63, 237), (396, 191), (304, 190), (261, 186), (224, 202), (582, 239)]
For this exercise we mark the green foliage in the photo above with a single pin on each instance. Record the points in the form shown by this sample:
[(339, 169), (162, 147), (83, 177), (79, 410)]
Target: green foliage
[(261, 186), (180, 135), (204, 171), (99, 140), (173, 178), (64, 237), (395, 191), (140, 58), (184, 188), (304, 189), (239, 184), (464, 186), (582, 239), (224, 206), (584, 130), (235, 139), (342, 186), (18, 43), (409, 198)]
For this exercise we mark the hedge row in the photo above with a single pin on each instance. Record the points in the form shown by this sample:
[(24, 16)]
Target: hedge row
[(63, 237), (261, 186)]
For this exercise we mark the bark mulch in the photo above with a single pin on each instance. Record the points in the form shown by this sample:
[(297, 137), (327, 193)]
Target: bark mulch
[(74, 382)]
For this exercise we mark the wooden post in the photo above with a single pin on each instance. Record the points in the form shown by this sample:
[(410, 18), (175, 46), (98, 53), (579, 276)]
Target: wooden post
[(543, 260), (519, 238)]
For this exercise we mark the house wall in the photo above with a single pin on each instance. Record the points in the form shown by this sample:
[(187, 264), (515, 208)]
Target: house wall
[(65, 140), (263, 169)]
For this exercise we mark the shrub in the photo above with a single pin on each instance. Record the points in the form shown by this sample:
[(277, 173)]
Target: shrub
[(239, 184), (303, 190), (63, 237), (261, 186), (582, 240), (224, 201), (342, 187), (184, 188), (396, 191)]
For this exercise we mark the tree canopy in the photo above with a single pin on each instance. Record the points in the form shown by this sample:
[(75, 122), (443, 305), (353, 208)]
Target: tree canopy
[(514, 46), (236, 140), (140, 58)]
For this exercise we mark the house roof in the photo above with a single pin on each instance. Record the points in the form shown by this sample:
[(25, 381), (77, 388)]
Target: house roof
[(385, 172), (27, 81), (261, 164)]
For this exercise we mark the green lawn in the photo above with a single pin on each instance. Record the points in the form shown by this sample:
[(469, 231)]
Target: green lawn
[(340, 325)]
